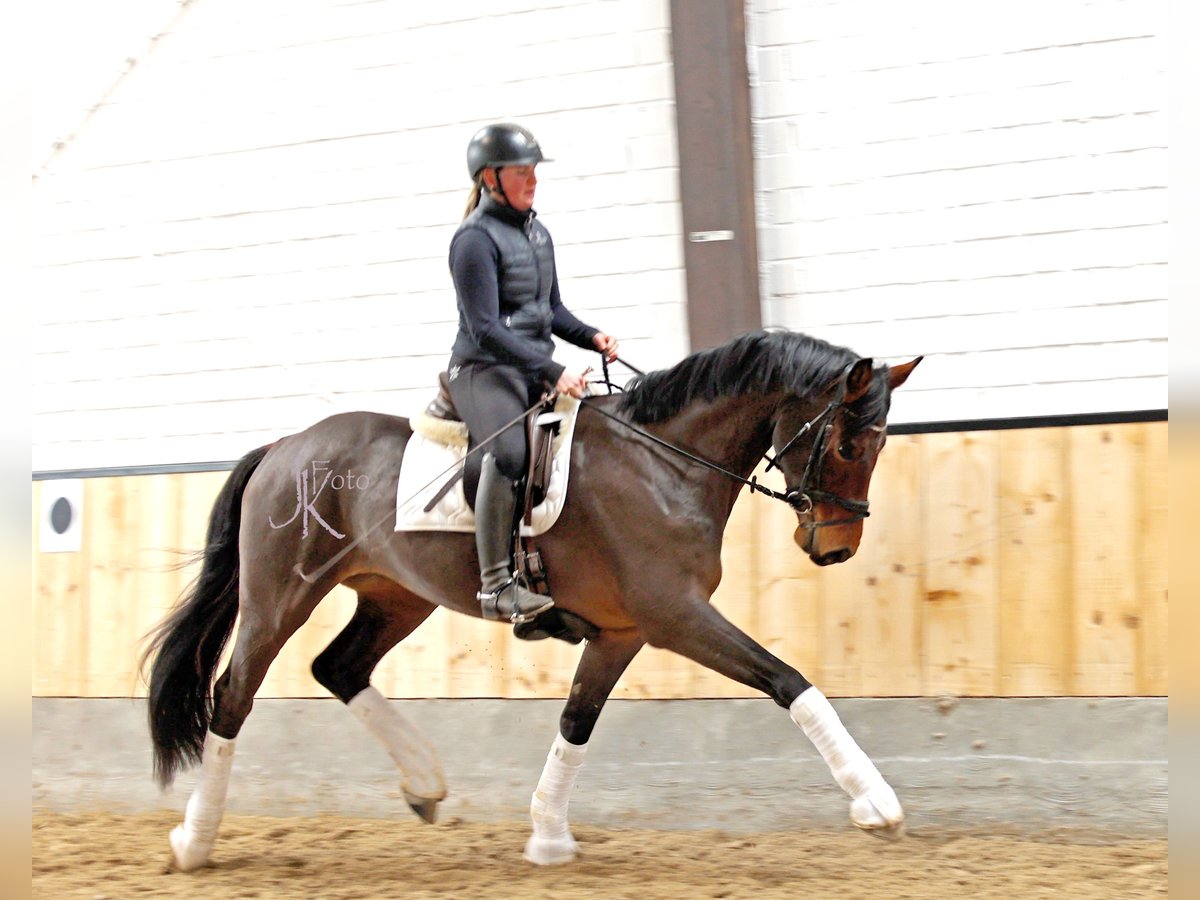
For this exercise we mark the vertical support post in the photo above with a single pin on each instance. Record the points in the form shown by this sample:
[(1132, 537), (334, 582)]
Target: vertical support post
[(716, 169)]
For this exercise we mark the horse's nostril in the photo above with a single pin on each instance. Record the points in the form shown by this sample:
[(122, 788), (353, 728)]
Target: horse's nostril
[(834, 556)]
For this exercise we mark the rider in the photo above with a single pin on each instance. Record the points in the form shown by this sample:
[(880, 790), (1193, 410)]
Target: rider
[(502, 261)]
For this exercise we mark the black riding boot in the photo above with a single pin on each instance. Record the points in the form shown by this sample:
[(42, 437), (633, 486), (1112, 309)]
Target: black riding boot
[(500, 597)]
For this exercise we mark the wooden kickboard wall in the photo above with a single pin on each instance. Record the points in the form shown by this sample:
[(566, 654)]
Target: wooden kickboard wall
[(1027, 562)]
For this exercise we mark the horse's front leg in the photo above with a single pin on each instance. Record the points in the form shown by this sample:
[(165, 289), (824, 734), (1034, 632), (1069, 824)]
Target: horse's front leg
[(702, 634), (603, 661)]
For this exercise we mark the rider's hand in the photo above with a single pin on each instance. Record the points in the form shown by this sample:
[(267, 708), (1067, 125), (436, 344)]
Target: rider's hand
[(606, 344), (571, 384)]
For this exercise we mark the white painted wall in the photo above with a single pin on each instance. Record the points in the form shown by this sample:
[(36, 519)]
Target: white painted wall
[(251, 233), (983, 184), (84, 50)]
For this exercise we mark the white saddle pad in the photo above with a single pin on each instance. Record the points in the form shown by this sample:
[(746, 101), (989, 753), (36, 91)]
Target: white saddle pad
[(436, 451)]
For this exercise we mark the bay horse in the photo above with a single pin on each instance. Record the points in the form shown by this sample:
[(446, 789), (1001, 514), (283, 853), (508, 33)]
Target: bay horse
[(636, 552)]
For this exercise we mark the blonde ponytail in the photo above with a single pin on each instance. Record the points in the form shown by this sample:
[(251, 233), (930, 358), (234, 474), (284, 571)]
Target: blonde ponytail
[(472, 200)]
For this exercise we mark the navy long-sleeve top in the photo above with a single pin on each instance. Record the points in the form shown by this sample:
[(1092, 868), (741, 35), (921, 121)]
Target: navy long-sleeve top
[(483, 336)]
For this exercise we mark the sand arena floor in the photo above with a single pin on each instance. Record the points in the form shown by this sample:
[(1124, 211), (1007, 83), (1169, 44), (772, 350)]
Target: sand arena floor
[(121, 856)]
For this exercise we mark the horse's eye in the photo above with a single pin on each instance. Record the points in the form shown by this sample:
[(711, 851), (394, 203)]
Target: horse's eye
[(847, 451)]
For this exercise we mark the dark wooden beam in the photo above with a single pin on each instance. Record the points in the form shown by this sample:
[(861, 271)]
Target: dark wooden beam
[(716, 169)]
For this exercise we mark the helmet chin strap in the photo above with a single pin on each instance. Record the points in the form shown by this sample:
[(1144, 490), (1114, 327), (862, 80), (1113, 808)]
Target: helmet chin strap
[(499, 188)]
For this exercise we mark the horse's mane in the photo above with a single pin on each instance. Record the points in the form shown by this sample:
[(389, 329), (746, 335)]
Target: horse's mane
[(759, 362)]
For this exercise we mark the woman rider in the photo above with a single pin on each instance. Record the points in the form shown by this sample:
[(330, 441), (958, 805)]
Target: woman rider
[(502, 261)]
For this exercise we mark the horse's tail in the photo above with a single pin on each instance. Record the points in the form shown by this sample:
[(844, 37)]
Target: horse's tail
[(184, 649)]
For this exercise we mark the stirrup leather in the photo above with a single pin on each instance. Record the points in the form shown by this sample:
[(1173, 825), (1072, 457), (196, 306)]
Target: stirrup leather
[(489, 604)]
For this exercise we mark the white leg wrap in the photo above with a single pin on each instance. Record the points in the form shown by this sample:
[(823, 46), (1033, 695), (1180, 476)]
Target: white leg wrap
[(552, 841), (192, 841), (874, 803), (410, 750)]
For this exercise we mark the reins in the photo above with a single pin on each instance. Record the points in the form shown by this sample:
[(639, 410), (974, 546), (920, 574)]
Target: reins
[(799, 498), (751, 482)]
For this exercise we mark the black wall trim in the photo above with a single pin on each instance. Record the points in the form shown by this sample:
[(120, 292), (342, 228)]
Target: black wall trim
[(1059, 421), (123, 471)]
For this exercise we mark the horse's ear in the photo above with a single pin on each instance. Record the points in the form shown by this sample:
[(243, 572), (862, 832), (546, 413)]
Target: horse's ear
[(858, 379), (897, 375)]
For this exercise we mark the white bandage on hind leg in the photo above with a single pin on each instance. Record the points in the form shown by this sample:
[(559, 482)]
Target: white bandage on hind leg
[(552, 841), (409, 749), (192, 841), (851, 767)]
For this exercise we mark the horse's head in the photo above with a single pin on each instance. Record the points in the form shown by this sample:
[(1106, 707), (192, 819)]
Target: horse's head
[(827, 458)]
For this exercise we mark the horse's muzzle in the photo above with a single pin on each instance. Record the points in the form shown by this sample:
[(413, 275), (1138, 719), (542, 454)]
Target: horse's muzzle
[(809, 539), (833, 557)]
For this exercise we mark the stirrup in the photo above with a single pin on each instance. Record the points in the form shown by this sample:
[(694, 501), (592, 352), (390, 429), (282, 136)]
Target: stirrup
[(489, 604)]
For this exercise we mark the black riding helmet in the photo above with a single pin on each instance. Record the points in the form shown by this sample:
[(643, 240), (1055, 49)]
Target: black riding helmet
[(499, 145)]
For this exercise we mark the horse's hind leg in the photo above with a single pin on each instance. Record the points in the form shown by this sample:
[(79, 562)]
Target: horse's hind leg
[(602, 662), (386, 615), (260, 637)]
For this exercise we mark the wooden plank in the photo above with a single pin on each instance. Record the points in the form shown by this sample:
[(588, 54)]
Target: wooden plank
[(870, 637), (417, 667), (541, 668), (1106, 481), (841, 624), (960, 618), (657, 674), (110, 520), (790, 602), (1152, 577), (986, 567), (1034, 563), (152, 553), (790, 610), (891, 575), (477, 657), (60, 658), (737, 595)]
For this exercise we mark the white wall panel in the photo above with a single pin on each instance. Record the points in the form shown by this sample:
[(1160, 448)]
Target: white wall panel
[(251, 232), (986, 186)]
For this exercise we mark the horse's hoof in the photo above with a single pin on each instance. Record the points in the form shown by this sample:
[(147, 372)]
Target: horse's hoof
[(188, 856), (879, 812), (543, 851), (424, 807)]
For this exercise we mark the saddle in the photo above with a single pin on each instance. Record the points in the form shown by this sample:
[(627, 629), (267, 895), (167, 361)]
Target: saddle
[(541, 428)]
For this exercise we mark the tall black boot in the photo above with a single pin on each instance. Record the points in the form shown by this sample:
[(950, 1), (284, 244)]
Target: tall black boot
[(500, 597)]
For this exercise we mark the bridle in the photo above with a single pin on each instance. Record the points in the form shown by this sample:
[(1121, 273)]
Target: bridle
[(803, 496)]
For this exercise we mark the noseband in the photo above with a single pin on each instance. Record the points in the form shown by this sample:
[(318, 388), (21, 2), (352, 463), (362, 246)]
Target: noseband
[(802, 497)]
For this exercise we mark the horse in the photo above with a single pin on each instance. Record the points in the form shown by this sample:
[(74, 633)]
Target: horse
[(635, 554)]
